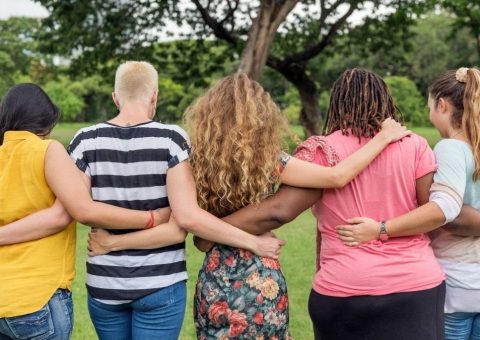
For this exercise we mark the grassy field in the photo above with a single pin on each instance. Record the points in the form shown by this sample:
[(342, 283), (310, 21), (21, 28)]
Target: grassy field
[(298, 262)]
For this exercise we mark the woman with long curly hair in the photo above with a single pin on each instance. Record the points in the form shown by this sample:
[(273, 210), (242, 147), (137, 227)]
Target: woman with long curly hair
[(236, 133)]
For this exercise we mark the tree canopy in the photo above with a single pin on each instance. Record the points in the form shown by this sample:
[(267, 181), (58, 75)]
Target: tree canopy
[(314, 42)]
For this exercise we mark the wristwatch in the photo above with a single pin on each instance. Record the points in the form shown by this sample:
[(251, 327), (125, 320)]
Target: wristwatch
[(383, 232)]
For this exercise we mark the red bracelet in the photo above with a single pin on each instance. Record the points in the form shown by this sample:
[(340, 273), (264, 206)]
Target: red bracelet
[(151, 220)]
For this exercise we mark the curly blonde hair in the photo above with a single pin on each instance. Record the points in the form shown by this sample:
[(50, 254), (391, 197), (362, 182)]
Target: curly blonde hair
[(237, 134)]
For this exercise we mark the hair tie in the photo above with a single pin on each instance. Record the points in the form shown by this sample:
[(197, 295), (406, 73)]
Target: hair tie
[(461, 74)]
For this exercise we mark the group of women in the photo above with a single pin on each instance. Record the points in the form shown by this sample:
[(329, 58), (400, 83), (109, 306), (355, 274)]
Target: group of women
[(376, 190)]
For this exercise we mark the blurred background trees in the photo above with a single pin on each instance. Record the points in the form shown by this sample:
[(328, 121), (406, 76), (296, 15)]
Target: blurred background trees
[(296, 49)]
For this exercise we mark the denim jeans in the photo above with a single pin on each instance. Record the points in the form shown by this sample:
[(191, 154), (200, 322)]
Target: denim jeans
[(155, 316), (462, 326), (54, 321)]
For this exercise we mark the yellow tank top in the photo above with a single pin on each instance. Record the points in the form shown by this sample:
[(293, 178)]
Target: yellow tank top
[(30, 272)]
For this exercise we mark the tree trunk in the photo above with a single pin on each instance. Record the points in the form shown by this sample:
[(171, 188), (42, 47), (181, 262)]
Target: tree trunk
[(310, 115), (271, 14)]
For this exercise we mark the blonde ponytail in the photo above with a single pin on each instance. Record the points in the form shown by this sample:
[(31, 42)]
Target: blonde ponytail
[(471, 115)]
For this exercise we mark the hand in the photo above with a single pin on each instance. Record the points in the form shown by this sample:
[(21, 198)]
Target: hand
[(360, 230), (100, 242), (393, 130), (268, 245), (202, 244), (161, 215)]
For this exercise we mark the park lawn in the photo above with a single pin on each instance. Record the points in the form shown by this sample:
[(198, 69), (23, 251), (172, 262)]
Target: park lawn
[(298, 261)]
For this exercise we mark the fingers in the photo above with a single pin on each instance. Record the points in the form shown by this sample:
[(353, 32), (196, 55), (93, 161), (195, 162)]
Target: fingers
[(274, 256), (281, 242), (344, 231), (355, 220)]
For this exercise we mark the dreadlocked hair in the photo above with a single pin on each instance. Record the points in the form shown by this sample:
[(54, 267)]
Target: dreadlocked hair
[(464, 96), (359, 102), (236, 133)]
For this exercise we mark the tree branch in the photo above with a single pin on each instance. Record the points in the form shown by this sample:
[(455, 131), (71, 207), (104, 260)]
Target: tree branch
[(217, 28), (230, 12), (314, 50), (325, 12)]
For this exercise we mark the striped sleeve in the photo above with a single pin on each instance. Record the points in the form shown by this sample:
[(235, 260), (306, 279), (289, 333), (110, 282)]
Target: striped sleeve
[(179, 149), (76, 151)]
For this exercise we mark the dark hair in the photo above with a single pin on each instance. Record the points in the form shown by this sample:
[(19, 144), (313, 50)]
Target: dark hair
[(448, 87), (26, 107), (461, 88), (360, 101)]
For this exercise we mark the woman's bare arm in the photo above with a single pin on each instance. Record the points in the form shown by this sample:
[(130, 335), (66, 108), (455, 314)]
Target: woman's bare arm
[(466, 224), (423, 219), (282, 207), (304, 174), (36, 226), (183, 201), (65, 180), (102, 242)]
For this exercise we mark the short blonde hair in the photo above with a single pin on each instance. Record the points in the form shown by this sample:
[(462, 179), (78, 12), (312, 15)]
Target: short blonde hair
[(135, 80)]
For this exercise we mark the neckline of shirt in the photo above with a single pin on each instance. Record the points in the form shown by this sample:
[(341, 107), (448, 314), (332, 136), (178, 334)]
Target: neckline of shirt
[(127, 127)]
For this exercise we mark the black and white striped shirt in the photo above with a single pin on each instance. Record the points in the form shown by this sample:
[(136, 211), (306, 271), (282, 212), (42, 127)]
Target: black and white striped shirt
[(127, 167)]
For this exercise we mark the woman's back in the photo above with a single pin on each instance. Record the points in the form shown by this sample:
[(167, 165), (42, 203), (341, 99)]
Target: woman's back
[(385, 189), (31, 271)]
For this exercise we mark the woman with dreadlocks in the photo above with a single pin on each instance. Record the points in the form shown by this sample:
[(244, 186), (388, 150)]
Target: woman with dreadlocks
[(454, 105), (379, 290)]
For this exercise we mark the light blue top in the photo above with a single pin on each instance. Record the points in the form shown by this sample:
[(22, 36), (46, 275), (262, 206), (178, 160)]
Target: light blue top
[(455, 167), (459, 256)]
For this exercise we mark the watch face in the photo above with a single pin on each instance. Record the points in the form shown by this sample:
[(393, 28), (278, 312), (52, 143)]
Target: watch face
[(383, 237)]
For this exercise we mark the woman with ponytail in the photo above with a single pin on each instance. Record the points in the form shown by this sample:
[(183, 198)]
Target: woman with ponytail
[(454, 104)]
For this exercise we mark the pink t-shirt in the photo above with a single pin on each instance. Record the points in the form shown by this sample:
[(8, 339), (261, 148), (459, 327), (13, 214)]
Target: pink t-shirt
[(385, 189)]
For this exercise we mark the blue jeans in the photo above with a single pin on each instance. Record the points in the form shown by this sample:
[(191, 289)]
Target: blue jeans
[(155, 316), (53, 321), (462, 326)]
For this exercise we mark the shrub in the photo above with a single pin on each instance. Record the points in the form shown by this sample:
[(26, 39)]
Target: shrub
[(408, 99)]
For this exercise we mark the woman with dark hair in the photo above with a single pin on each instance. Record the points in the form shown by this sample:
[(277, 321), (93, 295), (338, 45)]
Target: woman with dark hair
[(380, 290), (37, 264)]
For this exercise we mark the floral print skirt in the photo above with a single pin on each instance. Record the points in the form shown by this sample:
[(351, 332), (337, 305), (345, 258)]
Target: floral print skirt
[(240, 295)]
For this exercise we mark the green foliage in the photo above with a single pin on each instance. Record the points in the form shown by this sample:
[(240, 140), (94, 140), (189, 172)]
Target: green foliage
[(467, 14), (17, 40), (408, 99), (70, 104), (437, 48), (171, 103), (293, 107), (18, 49)]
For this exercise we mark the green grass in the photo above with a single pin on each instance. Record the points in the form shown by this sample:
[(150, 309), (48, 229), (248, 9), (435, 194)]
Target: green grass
[(430, 133), (298, 261), (64, 132)]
